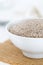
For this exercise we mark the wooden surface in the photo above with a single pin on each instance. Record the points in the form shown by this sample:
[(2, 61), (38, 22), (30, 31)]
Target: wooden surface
[(10, 54)]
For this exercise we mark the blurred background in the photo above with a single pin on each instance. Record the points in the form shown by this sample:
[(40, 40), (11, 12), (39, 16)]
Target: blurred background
[(12, 10)]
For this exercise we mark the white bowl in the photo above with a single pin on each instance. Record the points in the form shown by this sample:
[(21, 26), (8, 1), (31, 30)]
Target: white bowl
[(31, 47)]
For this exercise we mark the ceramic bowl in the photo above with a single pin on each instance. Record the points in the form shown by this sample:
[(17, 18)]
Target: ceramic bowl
[(30, 47)]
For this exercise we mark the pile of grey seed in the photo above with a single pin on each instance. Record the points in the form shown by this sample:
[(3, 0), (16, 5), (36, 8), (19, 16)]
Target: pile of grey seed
[(29, 28)]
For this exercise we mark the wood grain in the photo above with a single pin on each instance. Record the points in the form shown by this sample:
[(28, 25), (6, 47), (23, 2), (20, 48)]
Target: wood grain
[(10, 54)]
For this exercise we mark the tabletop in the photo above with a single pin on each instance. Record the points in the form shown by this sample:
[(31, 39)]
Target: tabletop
[(12, 55)]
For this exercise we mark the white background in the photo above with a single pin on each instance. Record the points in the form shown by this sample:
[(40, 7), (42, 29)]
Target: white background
[(11, 10)]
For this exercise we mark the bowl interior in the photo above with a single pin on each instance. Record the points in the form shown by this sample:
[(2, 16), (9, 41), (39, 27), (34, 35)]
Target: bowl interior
[(19, 22)]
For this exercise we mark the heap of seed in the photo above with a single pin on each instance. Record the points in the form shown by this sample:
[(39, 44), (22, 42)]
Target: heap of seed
[(29, 28)]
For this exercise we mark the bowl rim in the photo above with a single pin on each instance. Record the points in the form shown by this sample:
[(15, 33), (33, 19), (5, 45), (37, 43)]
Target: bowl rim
[(9, 24)]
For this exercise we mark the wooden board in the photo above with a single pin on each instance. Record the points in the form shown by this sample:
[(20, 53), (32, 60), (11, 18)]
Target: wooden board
[(10, 54)]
